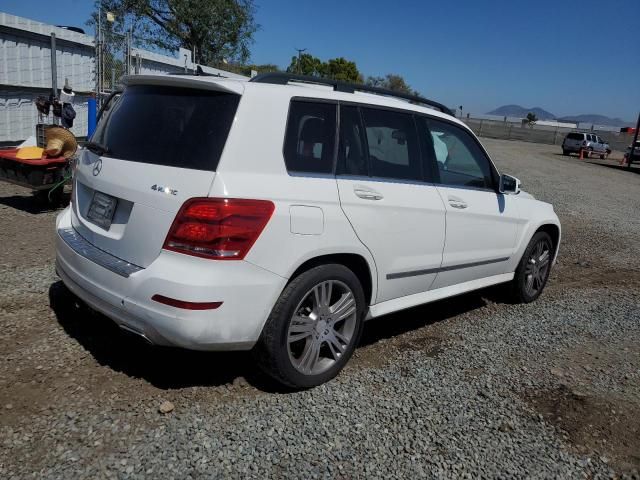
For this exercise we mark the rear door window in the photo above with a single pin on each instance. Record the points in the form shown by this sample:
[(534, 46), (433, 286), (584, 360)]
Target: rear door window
[(392, 143), (310, 138), (575, 136), (170, 126)]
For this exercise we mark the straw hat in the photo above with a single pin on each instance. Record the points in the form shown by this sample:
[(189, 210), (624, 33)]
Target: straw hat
[(60, 142)]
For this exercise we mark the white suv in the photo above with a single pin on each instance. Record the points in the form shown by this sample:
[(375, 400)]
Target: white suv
[(281, 213)]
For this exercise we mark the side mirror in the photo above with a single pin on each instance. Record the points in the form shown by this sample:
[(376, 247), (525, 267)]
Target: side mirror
[(509, 185)]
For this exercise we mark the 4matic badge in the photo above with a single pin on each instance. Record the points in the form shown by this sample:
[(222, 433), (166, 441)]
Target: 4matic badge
[(161, 189)]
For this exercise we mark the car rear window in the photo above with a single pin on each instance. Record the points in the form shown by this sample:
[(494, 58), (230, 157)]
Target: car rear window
[(310, 138), (576, 136), (171, 126)]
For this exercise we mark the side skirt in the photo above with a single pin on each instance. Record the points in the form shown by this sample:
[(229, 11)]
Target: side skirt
[(409, 301)]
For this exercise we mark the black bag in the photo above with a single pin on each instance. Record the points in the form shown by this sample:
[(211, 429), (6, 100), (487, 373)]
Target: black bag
[(68, 115)]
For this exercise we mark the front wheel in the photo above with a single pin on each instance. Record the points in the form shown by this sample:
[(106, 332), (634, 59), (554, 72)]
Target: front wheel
[(533, 270), (314, 327)]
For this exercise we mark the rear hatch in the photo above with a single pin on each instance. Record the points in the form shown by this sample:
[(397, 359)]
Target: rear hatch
[(155, 146), (574, 140)]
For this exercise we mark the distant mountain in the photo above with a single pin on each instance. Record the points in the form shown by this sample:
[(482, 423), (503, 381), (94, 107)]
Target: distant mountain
[(518, 111), (596, 120), (521, 112)]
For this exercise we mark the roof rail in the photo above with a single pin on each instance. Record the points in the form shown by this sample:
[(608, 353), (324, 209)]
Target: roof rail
[(282, 78), (198, 73)]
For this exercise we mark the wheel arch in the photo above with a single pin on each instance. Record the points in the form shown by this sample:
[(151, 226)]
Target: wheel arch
[(353, 261), (553, 231)]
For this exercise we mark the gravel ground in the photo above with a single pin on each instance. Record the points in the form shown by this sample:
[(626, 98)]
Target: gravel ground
[(465, 388)]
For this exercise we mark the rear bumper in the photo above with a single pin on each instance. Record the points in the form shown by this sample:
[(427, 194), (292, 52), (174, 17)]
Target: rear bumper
[(248, 293), (571, 148)]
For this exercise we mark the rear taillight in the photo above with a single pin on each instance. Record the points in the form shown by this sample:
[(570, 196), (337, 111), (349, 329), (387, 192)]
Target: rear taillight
[(218, 228)]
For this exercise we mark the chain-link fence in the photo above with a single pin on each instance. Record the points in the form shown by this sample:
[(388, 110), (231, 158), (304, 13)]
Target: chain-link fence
[(113, 60), (553, 135)]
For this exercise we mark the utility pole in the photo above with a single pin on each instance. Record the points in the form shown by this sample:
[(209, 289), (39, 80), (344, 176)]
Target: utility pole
[(300, 50)]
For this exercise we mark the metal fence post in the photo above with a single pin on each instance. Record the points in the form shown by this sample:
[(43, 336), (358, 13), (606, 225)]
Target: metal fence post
[(128, 55), (509, 134), (54, 66), (54, 72), (480, 131)]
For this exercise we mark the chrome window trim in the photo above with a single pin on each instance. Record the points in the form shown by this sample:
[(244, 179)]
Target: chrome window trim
[(363, 178), (83, 248)]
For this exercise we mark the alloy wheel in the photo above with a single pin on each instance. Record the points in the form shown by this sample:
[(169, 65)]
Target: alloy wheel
[(322, 327), (537, 268)]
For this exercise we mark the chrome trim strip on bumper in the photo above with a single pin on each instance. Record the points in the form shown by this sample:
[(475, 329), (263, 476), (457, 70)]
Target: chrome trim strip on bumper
[(414, 273), (83, 248)]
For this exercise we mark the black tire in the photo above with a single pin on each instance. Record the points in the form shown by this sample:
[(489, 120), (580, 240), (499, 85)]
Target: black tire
[(565, 152), (519, 292), (272, 352)]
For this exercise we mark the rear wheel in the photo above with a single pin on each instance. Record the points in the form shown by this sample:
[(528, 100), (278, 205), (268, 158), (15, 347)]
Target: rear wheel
[(314, 327), (601, 157), (565, 152), (533, 270)]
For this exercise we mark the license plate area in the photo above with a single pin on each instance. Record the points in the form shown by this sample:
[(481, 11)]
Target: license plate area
[(101, 210)]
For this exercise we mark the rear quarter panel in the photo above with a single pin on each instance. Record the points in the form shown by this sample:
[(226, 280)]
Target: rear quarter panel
[(252, 166)]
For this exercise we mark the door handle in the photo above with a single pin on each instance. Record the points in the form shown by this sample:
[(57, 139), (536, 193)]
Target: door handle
[(367, 194), (457, 203)]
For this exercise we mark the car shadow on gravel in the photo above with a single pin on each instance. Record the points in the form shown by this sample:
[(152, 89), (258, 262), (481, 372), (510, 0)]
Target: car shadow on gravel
[(413, 319), (33, 204), (163, 367), (633, 168), (174, 368)]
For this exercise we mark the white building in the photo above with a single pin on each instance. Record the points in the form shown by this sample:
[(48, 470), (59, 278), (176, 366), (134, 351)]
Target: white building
[(25, 72)]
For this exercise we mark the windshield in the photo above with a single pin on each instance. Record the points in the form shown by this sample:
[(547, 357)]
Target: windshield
[(171, 126)]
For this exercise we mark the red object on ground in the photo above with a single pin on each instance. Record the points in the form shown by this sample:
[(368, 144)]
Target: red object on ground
[(37, 174), (10, 154)]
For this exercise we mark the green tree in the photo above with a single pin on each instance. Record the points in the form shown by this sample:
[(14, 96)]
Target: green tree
[(335, 68), (342, 69), (306, 64), (379, 82), (393, 82), (531, 119), (219, 30), (246, 69)]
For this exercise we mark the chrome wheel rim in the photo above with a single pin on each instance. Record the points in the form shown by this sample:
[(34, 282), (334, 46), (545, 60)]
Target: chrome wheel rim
[(322, 327), (537, 269)]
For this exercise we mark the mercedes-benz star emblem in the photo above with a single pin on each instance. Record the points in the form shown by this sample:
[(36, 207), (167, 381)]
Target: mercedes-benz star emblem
[(97, 167)]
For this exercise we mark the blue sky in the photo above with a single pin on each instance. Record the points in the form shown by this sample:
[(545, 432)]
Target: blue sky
[(566, 56)]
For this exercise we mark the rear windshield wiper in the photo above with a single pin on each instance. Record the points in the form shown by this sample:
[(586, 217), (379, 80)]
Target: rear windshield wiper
[(96, 147)]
